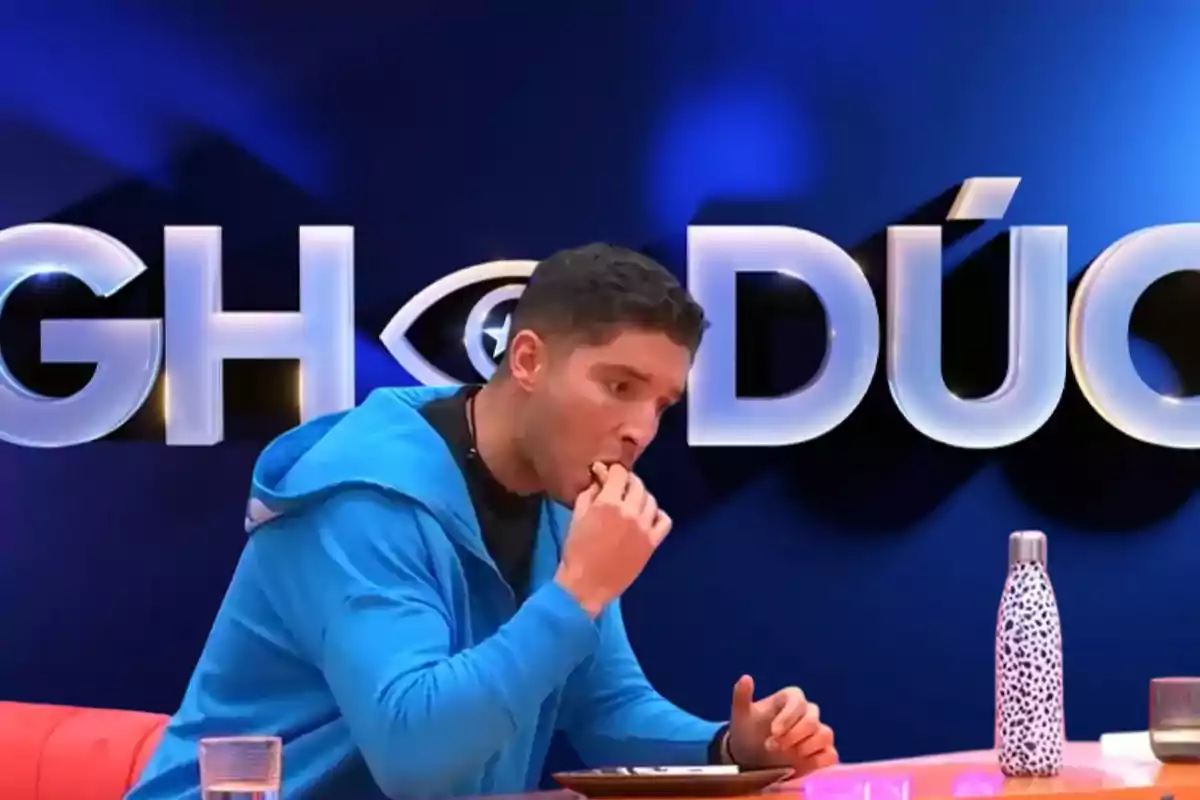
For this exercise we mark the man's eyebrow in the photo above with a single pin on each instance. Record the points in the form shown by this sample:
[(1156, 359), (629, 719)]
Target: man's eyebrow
[(628, 370)]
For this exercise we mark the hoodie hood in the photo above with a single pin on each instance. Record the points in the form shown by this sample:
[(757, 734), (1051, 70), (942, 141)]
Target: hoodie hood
[(384, 443)]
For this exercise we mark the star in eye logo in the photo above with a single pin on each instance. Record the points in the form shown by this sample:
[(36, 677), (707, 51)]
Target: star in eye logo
[(499, 337)]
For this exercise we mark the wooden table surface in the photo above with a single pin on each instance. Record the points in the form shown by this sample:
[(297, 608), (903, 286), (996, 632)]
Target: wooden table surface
[(975, 774)]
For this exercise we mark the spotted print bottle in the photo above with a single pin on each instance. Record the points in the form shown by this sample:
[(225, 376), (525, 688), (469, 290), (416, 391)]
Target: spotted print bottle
[(1030, 730)]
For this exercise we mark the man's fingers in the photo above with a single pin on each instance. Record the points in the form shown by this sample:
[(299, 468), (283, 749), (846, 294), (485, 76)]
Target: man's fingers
[(649, 512), (825, 758), (662, 526), (619, 486), (792, 709), (818, 743), (584, 500), (743, 696), (635, 496), (615, 484), (807, 737)]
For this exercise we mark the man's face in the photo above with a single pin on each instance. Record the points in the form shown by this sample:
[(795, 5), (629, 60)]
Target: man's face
[(600, 403)]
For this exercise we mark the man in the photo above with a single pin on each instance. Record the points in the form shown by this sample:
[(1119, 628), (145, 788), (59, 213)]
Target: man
[(431, 585)]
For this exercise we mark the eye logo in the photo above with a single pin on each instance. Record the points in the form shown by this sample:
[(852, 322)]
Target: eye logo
[(482, 344)]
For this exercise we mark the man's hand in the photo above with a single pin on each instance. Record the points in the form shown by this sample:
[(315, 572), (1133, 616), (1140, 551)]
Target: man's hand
[(615, 528), (783, 729)]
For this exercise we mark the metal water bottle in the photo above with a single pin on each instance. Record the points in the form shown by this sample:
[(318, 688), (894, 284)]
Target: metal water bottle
[(1030, 729)]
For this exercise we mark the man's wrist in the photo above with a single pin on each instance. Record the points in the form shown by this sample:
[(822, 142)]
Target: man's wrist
[(718, 748), (567, 584)]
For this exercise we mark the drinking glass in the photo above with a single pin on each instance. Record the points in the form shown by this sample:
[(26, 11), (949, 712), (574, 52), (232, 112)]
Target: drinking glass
[(1175, 719), (241, 767)]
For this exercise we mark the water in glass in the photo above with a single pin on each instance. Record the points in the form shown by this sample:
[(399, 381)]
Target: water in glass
[(241, 768)]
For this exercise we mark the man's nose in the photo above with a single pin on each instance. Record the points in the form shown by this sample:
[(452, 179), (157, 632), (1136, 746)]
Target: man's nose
[(637, 435)]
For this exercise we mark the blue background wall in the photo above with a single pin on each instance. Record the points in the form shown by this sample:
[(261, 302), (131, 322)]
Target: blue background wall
[(865, 566)]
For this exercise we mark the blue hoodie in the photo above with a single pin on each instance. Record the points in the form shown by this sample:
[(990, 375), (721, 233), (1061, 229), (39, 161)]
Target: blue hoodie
[(368, 627)]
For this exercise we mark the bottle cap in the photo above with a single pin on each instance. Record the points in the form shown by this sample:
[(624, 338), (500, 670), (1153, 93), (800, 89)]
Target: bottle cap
[(1027, 547)]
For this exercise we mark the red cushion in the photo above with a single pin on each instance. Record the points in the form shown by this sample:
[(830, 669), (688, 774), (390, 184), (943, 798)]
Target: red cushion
[(63, 753)]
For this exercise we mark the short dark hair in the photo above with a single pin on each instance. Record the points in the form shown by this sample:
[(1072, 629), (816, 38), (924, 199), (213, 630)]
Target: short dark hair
[(596, 291)]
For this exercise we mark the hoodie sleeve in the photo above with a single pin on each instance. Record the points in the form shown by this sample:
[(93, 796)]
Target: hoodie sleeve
[(613, 717), (352, 581)]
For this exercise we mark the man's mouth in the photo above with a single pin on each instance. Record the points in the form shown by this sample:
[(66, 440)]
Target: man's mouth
[(598, 469)]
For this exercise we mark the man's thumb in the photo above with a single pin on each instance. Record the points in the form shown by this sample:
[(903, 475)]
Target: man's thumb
[(743, 695)]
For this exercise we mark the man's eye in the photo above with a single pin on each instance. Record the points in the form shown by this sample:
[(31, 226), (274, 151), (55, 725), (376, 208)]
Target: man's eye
[(456, 329), (619, 389)]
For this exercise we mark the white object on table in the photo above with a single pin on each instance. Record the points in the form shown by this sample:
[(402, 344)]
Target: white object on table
[(1132, 745)]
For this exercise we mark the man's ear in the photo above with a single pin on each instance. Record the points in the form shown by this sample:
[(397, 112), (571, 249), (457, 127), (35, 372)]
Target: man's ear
[(526, 358)]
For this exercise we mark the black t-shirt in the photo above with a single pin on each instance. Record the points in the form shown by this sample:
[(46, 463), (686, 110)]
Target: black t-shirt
[(508, 521)]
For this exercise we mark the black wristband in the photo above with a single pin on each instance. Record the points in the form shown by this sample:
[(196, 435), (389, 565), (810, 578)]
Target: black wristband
[(716, 747)]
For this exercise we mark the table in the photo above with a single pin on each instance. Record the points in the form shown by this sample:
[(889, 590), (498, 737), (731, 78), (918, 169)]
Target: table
[(975, 774)]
